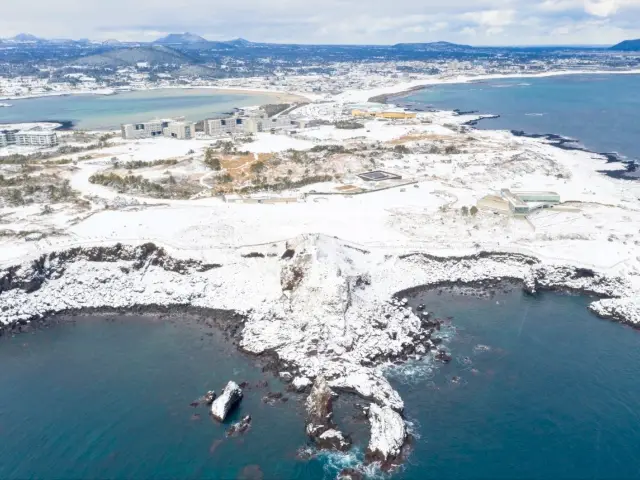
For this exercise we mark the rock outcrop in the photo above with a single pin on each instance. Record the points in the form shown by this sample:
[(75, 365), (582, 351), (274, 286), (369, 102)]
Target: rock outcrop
[(321, 308), (388, 434), (227, 401), (209, 397), (240, 427), (320, 426), (300, 384)]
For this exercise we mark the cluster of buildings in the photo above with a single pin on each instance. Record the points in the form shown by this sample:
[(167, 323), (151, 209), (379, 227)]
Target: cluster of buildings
[(247, 123), (35, 137), (155, 128), (240, 123), (381, 111)]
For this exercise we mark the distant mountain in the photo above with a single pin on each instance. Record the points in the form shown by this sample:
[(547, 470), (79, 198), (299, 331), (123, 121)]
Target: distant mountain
[(627, 46), (112, 42), (238, 42), (180, 39), (122, 57), (25, 37), (431, 47)]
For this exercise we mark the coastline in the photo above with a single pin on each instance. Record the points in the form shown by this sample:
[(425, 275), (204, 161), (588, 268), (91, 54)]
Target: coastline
[(280, 95), (109, 278), (553, 139), (320, 305), (402, 89), (567, 143)]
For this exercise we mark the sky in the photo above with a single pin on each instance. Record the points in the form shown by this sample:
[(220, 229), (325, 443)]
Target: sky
[(474, 22)]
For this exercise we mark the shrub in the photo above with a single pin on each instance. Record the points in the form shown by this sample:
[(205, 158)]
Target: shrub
[(348, 125), (451, 149), (258, 167), (213, 163)]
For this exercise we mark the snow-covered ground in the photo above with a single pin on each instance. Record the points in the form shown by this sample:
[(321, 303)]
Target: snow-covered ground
[(315, 279)]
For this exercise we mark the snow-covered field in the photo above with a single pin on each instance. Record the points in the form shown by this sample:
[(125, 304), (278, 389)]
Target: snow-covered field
[(316, 279)]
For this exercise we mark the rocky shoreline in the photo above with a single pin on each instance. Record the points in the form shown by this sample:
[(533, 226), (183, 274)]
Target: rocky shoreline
[(565, 143), (319, 309)]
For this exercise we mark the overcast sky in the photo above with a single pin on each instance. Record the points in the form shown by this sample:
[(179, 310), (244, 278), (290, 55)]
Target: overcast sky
[(476, 22)]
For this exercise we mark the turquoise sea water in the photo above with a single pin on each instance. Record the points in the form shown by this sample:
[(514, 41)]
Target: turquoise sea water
[(105, 112), (554, 396), (601, 111)]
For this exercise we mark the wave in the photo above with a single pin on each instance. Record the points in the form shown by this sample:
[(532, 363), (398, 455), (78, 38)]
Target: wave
[(336, 462), (534, 114), (413, 372)]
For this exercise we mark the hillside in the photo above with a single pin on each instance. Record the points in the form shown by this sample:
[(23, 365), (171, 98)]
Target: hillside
[(154, 55), (627, 46), (431, 47), (180, 39)]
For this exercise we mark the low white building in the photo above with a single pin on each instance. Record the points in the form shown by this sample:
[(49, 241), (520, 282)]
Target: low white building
[(180, 130), (169, 128), (242, 124), (143, 130), (220, 127), (36, 137)]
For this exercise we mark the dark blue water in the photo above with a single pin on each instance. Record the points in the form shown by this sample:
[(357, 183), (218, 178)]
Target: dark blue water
[(100, 399), (601, 111), (555, 396)]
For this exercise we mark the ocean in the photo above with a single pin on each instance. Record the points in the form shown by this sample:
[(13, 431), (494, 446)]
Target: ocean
[(600, 111), (538, 388), (107, 112)]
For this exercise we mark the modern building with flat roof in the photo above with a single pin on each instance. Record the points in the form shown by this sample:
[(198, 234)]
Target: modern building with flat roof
[(522, 203), (36, 137), (248, 123), (180, 130), (169, 128), (381, 111), (143, 130)]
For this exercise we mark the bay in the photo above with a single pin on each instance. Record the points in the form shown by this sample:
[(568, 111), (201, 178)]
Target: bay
[(600, 111), (107, 112)]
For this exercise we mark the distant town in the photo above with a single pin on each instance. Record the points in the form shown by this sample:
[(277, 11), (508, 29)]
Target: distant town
[(57, 67)]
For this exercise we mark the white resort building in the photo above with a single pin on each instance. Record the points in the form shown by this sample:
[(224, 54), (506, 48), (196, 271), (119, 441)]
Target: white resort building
[(36, 137), (180, 130), (246, 123), (169, 128)]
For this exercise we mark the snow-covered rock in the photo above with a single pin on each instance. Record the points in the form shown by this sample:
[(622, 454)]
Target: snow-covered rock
[(300, 384), (240, 427), (333, 439), (227, 401), (321, 307), (388, 434), (320, 426)]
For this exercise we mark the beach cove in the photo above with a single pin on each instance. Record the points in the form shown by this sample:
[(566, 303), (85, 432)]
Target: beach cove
[(107, 112), (119, 389)]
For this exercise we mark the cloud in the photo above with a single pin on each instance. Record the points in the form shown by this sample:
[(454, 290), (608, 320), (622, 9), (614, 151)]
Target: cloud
[(601, 8), (331, 21)]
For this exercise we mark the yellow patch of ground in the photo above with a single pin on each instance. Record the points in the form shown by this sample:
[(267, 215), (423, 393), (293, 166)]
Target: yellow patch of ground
[(344, 188), (235, 164)]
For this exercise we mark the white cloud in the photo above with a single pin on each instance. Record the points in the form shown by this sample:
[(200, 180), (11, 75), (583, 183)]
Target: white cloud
[(492, 18), (329, 21), (601, 8)]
